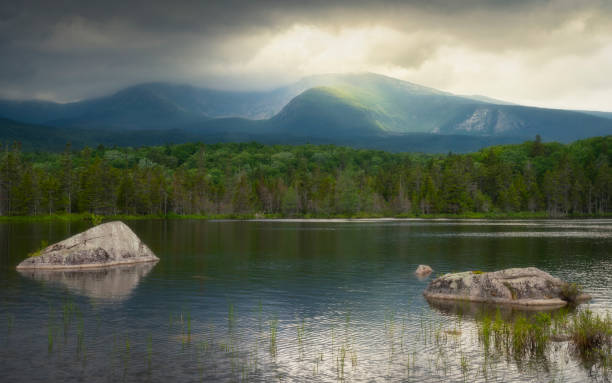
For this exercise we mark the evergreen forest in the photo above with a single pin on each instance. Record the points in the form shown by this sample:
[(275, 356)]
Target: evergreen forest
[(251, 179)]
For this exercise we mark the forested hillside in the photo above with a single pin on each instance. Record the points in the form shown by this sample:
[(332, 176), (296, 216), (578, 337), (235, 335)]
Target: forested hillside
[(308, 180)]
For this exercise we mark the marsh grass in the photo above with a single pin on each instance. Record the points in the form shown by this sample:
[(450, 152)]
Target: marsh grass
[(51, 330), (10, 320), (340, 359), (149, 351), (591, 336), (301, 329), (188, 326), (273, 334), (231, 318), (68, 310), (260, 315), (126, 356), (528, 338), (522, 337), (465, 367), (80, 333), (183, 321)]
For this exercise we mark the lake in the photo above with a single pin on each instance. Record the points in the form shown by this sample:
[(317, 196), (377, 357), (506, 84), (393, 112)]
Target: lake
[(285, 301)]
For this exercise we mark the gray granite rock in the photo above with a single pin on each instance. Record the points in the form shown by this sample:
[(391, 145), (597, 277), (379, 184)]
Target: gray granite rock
[(423, 270), (519, 286), (112, 243)]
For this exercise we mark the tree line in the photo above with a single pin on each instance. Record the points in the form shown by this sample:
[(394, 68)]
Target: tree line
[(325, 180)]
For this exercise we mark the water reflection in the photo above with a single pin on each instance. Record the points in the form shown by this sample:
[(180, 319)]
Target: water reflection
[(478, 309), (107, 284), (326, 301)]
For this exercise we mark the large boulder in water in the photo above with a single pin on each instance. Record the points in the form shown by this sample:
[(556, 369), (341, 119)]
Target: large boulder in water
[(109, 244), (519, 286)]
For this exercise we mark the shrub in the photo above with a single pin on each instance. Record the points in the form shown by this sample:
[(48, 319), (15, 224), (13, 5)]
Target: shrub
[(95, 219), (37, 252), (570, 292)]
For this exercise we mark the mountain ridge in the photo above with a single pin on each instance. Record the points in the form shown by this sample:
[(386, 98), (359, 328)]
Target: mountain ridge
[(349, 109)]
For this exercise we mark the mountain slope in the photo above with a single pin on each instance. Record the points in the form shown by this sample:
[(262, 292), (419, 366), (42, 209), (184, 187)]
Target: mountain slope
[(154, 105), (522, 121), (401, 107), (37, 137), (325, 112), (335, 120), (347, 109), (598, 114)]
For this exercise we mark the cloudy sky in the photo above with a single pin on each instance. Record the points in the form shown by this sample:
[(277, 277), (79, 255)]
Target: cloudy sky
[(553, 53)]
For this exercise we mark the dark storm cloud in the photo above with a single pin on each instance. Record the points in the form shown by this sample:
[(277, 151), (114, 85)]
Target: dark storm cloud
[(72, 49)]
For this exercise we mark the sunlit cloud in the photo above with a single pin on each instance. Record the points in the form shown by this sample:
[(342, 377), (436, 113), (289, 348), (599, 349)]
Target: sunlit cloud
[(553, 53)]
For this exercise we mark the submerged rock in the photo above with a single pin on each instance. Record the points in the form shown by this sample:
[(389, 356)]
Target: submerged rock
[(423, 270), (519, 286), (109, 244)]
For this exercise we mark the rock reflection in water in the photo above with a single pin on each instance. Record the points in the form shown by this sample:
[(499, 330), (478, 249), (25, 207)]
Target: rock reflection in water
[(114, 283), (479, 309)]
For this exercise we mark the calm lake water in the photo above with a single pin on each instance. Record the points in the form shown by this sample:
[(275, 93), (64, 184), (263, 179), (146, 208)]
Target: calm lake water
[(289, 301)]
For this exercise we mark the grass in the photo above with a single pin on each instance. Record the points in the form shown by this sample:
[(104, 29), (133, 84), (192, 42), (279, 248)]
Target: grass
[(465, 367), (570, 292), (524, 338), (301, 328), (340, 358), (80, 333), (96, 219), (50, 330), (149, 351), (521, 337), (231, 318), (10, 319), (589, 335), (41, 247), (273, 336)]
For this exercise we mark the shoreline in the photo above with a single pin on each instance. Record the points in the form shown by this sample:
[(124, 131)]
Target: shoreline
[(300, 217)]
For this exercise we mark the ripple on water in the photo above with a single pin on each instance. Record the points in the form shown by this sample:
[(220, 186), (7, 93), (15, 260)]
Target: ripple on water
[(290, 300)]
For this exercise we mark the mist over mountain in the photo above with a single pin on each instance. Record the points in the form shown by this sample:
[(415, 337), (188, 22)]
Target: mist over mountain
[(364, 110)]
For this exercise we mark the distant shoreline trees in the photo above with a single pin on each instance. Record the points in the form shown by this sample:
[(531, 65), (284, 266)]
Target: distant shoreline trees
[(287, 180)]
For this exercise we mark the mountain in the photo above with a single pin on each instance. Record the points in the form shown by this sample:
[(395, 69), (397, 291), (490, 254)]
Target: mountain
[(149, 106), (36, 137), (363, 110), (322, 112), (401, 107), (488, 100), (598, 114)]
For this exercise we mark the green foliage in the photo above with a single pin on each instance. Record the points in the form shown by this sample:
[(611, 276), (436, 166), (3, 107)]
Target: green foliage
[(37, 252), (570, 292), (96, 219), (592, 335), (245, 180)]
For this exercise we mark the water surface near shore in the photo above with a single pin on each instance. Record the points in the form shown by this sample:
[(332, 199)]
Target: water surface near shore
[(288, 300)]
